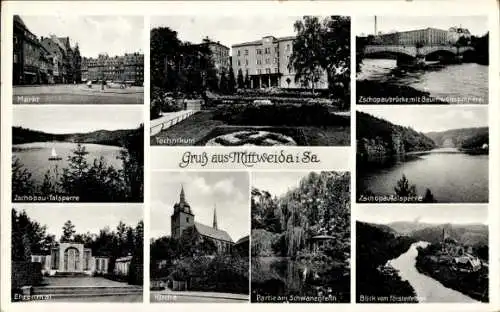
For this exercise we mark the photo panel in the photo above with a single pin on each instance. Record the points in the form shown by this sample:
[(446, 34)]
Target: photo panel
[(199, 250), (301, 237), (422, 59), (78, 153), (65, 59), (418, 154), (422, 254), (254, 84), (69, 253)]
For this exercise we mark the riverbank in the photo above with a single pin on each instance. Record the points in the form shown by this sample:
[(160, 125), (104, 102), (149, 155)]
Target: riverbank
[(471, 284), (376, 92)]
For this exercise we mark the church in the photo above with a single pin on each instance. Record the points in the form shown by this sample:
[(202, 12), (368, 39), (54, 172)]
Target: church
[(183, 218)]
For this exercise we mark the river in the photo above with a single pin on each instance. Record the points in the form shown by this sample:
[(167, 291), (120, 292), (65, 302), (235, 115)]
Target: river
[(426, 288), (455, 80), (451, 177)]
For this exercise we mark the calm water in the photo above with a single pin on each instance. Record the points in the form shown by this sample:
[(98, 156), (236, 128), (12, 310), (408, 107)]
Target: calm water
[(451, 177), (286, 275), (35, 156), (455, 80), (426, 288)]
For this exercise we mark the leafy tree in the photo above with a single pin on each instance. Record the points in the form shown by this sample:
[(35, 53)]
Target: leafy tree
[(231, 83), (240, 79), (68, 232), (133, 164), (322, 46), (22, 182), (404, 189), (74, 177), (164, 46)]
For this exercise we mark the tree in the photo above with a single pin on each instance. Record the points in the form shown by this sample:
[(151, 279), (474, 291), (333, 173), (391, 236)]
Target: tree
[(248, 84), (22, 182), (164, 47), (73, 178), (319, 47), (68, 232), (240, 79), (223, 85), (429, 197), (231, 83), (404, 189)]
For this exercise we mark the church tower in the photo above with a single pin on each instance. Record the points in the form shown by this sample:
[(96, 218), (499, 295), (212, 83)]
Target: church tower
[(182, 218), (215, 218)]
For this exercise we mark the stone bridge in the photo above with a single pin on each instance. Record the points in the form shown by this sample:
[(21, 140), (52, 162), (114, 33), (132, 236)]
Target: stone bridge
[(413, 51)]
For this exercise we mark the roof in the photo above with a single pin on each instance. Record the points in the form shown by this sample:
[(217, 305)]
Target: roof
[(19, 20), (256, 42), (242, 240), (211, 232)]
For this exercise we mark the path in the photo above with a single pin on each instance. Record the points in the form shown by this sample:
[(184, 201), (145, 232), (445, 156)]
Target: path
[(168, 120)]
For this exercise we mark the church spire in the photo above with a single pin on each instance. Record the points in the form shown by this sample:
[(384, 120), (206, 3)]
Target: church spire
[(182, 196), (215, 217)]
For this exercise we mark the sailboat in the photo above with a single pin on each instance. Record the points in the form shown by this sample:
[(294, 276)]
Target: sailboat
[(54, 155)]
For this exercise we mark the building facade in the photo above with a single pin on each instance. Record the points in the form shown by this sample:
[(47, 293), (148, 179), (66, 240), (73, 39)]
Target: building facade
[(44, 60), (220, 55), (183, 218), (266, 62), (128, 68), (427, 36), (71, 258)]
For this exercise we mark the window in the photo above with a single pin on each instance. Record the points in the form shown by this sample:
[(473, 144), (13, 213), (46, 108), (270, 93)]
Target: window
[(259, 51), (276, 70), (268, 50), (238, 52), (268, 61), (187, 219), (246, 62), (275, 60), (268, 70), (259, 62), (246, 51), (239, 63), (288, 47), (276, 50), (259, 71)]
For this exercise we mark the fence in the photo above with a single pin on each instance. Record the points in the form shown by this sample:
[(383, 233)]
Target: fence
[(169, 120)]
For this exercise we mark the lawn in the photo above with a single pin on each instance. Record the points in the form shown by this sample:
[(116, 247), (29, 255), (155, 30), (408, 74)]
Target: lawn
[(197, 129)]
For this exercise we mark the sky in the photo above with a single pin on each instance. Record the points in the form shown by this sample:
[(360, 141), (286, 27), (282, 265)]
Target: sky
[(228, 191), (456, 214), (86, 218), (477, 25), (429, 118), (114, 35), (77, 118), (228, 30)]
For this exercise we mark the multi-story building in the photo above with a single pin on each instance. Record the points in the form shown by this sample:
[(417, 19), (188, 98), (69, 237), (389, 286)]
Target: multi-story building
[(266, 62), (57, 56), (27, 54), (427, 36), (128, 68), (220, 55)]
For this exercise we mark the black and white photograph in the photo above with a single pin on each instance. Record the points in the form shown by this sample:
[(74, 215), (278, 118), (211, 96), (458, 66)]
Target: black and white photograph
[(199, 237), (415, 154), (67, 59), (70, 253), (77, 154), (422, 254), (301, 237), (262, 81), (422, 59)]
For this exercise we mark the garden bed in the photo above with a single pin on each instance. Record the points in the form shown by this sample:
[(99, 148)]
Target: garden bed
[(277, 134)]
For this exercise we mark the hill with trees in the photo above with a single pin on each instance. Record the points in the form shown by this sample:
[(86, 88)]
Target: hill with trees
[(461, 138), (375, 245), (394, 139), (22, 135), (464, 234)]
